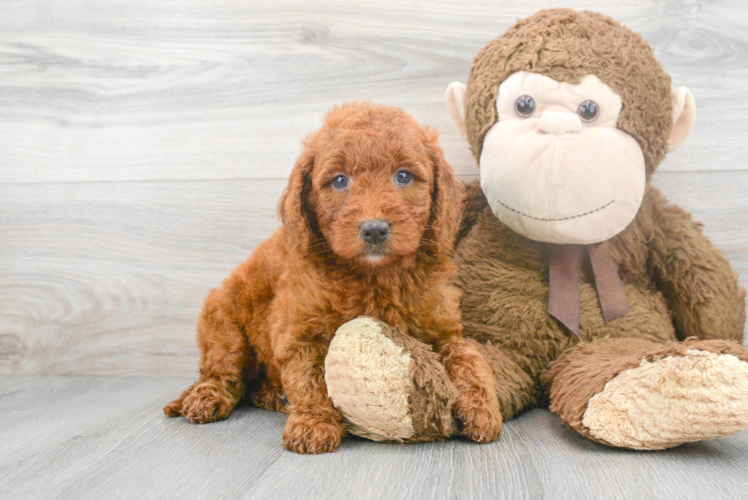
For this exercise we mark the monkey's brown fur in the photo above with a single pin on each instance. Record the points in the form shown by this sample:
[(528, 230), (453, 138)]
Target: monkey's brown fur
[(678, 285), (266, 330)]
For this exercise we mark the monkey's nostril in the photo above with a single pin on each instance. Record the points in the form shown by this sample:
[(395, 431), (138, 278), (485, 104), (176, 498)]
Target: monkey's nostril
[(374, 231)]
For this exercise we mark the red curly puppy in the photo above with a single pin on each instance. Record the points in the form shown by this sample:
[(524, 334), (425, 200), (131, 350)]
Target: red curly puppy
[(369, 218)]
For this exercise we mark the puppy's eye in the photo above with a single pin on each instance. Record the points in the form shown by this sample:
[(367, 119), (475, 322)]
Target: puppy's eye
[(403, 178), (524, 106), (340, 182), (588, 111)]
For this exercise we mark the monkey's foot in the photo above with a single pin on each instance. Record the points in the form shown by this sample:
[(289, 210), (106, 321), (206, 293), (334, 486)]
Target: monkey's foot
[(387, 385), (671, 400)]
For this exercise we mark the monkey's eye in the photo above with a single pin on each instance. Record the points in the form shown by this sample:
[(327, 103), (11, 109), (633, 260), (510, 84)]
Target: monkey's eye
[(588, 111), (340, 182), (403, 178), (524, 106)]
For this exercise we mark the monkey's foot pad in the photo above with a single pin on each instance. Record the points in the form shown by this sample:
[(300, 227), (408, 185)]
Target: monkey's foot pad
[(387, 385), (672, 401)]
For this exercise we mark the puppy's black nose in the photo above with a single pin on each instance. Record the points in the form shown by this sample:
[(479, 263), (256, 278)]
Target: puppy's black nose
[(374, 231)]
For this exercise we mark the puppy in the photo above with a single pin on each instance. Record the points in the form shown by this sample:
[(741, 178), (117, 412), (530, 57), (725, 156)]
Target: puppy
[(369, 218)]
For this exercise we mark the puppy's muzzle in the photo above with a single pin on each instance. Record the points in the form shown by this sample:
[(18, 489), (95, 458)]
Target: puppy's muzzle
[(374, 231)]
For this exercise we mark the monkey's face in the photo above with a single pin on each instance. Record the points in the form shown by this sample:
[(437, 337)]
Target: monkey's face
[(555, 168)]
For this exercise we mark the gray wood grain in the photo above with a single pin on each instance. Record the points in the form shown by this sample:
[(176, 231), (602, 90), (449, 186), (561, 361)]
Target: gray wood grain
[(143, 145), (105, 437), (200, 89), (108, 278)]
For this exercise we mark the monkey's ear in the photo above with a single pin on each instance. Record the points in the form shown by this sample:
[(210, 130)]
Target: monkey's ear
[(684, 115), (455, 97)]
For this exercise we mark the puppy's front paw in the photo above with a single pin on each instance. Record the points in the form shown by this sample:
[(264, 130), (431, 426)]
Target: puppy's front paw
[(481, 424), (174, 409), (304, 434), (205, 402), (477, 405)]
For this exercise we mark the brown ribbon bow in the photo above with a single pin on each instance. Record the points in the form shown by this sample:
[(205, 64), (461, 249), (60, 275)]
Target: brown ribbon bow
[(565, 265)]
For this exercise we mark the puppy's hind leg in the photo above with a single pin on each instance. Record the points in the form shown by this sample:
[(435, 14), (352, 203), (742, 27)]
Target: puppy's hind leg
[(225, 362)]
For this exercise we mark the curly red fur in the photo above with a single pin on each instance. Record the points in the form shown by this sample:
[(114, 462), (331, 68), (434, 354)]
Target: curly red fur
[(266, 331)]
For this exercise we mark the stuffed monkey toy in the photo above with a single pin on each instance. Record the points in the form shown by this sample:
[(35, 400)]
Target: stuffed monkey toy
[(583, 286)]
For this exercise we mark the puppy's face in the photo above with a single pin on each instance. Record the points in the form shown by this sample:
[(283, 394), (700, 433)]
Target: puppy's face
[(372, 186)]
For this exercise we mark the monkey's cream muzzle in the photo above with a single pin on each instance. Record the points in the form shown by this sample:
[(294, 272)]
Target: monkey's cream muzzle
[(554, 178)]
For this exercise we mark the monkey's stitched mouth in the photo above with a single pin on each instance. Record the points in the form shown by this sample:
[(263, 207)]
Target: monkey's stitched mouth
[(554, 220)]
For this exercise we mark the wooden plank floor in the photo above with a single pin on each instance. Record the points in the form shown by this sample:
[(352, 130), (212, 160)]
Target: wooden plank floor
[(105, 437)]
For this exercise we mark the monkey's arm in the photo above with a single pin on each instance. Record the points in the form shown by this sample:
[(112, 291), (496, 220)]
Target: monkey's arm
[(695, 277), (473, 204)]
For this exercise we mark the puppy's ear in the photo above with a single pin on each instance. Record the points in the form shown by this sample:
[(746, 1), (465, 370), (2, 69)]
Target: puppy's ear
[(293, 208), (446, 202)]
